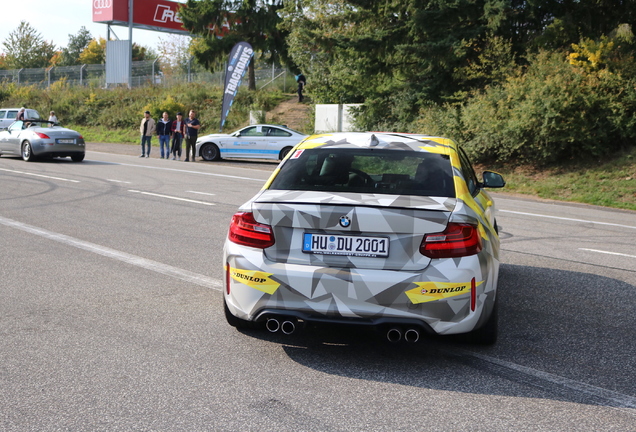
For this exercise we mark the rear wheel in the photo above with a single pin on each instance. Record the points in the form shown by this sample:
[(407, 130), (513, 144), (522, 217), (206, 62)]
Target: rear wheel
[(78, 157), (27, 152), (210, 152), (283, 153)]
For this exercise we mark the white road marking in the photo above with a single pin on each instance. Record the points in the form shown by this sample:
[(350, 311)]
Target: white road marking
[(567, 219), (147, 264), (189, 172), (118, 181), (172, 197), (608, 253), (201, 193), (40, 175)]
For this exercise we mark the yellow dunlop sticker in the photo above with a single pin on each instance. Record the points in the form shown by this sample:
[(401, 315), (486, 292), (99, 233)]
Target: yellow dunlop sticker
[(255, 279), (431, 291)]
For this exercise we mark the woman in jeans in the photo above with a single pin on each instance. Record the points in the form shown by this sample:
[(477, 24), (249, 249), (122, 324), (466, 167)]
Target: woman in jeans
[(178, 131)]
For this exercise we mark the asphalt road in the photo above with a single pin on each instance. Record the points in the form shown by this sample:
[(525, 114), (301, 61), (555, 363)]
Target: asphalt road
[(111, 318)]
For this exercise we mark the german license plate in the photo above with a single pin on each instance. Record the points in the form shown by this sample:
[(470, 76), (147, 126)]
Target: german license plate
[(65, 141), (360, 246)]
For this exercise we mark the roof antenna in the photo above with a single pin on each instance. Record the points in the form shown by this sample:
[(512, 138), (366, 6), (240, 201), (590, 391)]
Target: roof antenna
[(373, 141)]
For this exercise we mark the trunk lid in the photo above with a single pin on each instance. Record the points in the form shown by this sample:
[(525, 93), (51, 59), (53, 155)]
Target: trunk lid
[(358, 221)]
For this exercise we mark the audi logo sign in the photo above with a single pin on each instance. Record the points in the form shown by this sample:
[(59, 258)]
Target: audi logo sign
[(102, 4)]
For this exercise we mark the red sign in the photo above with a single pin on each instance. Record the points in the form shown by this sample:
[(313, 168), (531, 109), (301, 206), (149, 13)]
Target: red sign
[(107, 11), (158, 15)]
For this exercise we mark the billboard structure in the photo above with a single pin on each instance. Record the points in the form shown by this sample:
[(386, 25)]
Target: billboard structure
[(158, 15)]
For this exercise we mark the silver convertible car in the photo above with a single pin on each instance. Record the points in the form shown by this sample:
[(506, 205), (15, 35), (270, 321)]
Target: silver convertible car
[(34, 139), (390, 231), (261, 141)]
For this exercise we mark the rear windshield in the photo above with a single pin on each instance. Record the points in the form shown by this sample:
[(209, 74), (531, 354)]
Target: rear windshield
[(367, 171)]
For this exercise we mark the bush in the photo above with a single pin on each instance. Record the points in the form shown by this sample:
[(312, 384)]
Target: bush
[(553, 112)]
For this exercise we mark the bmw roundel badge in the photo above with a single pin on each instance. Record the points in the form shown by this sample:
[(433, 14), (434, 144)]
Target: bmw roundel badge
[(344, 221)]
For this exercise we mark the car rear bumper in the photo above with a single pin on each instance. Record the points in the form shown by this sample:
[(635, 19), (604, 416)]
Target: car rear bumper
[(59, 150), (260, 289)]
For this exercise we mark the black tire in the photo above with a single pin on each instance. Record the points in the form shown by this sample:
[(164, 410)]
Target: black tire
[(284, 152), (234, 321), (486, 334), (210, 152), (78, 157), (27, 152)]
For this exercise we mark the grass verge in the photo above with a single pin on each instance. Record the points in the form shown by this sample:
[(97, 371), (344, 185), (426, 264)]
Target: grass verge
[(608, 183)]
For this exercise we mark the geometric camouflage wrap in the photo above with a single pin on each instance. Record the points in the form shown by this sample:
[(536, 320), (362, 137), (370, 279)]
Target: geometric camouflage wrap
[(405, 287)]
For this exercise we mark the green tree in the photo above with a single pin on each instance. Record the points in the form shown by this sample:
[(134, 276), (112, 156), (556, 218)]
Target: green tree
[(252, 21), (76, 44), (175, 54), (95, 52), (395, 55), (25, 48)]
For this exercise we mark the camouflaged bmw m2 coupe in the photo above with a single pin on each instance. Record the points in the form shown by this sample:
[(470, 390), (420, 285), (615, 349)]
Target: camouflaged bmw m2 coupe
[(388, 230)]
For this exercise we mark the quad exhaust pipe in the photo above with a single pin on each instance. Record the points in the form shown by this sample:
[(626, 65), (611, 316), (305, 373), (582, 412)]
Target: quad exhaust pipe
[(394, 335), (411, 335), (272, 325), (287, 326)]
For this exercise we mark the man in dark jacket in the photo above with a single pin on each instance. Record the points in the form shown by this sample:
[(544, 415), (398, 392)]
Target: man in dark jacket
[(164, 130)]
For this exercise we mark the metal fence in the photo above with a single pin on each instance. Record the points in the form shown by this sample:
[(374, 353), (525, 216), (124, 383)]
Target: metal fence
[(144, 73)]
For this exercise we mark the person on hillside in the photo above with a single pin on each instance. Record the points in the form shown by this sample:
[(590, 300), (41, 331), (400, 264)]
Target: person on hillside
[(302, 81), (164, 130), (178, 132), (147, 129), (192, 132)]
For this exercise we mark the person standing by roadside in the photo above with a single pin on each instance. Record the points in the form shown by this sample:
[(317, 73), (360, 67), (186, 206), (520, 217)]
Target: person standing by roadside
[(21, 114), (52, 117), (178, 132), (147, 129), (164, 130), (192, 132), (302, 81)]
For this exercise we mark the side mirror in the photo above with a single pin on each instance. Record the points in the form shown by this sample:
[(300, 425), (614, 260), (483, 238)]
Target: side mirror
[(493, 180)]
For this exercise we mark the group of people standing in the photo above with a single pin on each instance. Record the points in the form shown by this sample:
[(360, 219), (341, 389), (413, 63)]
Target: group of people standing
[(167, 129)]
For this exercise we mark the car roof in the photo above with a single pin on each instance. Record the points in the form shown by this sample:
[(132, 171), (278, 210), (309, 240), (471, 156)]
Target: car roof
[(270, 125), (380, 140)]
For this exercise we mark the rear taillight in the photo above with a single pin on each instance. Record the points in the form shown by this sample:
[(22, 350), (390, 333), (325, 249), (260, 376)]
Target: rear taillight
[(457, 240), (43, 136), (244, 230)]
